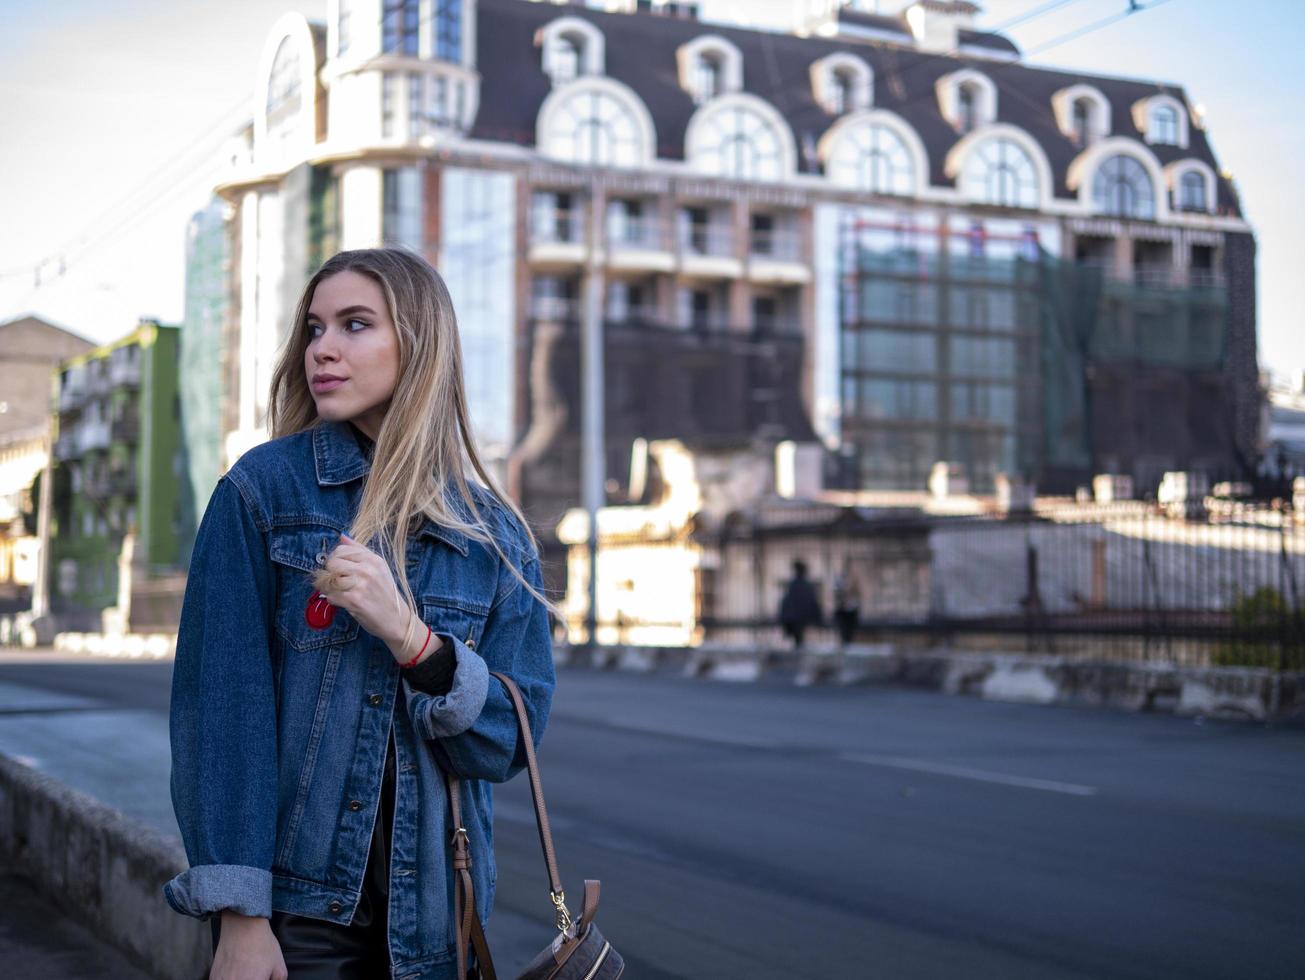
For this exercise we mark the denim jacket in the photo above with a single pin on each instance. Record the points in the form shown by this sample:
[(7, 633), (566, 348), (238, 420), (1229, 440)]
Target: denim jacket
[(279, 731)]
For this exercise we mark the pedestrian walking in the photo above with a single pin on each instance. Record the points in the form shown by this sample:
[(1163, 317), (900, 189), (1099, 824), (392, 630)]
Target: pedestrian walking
[(847, 604), (800, 607), (354, 581)]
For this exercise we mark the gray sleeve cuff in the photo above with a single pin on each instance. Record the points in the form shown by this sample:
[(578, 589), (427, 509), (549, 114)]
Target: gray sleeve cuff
[(446, 715), (210, 888)]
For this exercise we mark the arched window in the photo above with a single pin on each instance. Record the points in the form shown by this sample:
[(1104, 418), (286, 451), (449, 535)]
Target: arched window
[(1191, 192), (709, 66), (842, 83), (1000, 171), (594, 127), (738, 141), (872, 158), (284, 91), (1082, 121), (1164, 125), (966, 107), (1123, 187), (571, 48)]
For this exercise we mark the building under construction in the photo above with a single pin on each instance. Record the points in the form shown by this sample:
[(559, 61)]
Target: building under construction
[(989, 351)]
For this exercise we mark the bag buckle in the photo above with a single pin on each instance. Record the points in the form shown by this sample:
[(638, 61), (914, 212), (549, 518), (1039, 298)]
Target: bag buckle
[(563, 917)]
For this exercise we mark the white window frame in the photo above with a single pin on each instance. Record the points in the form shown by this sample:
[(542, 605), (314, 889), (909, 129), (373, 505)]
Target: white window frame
[(593, 47), (824, 83), (1063, 102), (559, 100), (1174, 174), (730, 58), (698, 137), (850, 126), (948, 90), (1144, 119), (954, 166)]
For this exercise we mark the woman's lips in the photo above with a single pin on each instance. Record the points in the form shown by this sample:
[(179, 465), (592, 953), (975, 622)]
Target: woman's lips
[(328, 385)]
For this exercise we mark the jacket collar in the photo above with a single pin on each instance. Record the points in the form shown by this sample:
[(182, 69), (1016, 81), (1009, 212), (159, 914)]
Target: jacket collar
[(339, 460)]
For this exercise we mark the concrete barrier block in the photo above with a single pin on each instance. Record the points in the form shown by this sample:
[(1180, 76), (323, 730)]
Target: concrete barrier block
[(1227, 691), (105, 869), (1023, 683), (638, 659)]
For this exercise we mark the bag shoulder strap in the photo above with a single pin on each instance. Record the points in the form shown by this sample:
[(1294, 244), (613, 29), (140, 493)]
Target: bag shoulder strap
[(468, 923), (536, 786)]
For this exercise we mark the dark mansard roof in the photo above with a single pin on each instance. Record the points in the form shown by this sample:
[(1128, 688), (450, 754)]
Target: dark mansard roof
[(641, 53)]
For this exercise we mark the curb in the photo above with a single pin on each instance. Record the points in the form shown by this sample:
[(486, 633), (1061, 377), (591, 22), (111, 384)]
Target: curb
[(1254, 693), (101, 867)]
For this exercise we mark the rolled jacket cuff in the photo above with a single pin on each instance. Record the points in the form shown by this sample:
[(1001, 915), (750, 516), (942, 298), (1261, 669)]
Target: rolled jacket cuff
[(446, 715), (209, 888)]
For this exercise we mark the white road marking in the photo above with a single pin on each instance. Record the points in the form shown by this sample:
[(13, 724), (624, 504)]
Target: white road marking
[(965, 772)]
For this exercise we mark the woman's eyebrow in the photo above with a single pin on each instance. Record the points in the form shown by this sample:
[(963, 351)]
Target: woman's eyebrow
[(347, 311)]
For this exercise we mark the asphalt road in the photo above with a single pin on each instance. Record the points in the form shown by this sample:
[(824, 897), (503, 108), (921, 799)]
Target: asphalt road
[(763, 831)]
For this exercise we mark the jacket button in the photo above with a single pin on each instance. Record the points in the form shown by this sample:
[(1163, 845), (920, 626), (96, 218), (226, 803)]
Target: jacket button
[(374, 700), (355, 805), (335, 908), (471, 644)]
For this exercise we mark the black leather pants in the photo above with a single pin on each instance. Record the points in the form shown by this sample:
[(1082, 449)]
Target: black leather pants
[(315, 949)]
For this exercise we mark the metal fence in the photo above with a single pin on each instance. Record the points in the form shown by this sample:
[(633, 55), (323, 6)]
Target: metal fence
[(1208, 583)]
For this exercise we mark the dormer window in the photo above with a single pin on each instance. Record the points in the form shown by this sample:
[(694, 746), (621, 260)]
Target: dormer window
[(967, 99), (1164, 126), (1191, 186), (1082, 114), (1191, 192), (571, 48), (1162, 119), (709, 67), (842, 83)]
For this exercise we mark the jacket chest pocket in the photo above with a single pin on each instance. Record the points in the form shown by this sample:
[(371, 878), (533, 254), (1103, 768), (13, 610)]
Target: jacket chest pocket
[(463, 619), (298, 553)]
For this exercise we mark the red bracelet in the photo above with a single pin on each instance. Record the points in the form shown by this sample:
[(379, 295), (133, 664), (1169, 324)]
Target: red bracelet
[(413, 661)]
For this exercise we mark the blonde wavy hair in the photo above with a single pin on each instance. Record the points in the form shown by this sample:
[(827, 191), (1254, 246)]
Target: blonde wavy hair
[(425, 441)]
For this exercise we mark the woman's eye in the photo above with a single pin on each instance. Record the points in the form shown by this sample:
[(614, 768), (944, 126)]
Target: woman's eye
[(358, 323), (314, 329)]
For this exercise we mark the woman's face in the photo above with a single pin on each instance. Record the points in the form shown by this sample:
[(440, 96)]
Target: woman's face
[(352, 359)]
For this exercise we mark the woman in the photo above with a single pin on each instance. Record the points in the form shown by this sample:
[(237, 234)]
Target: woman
[(349, 593)]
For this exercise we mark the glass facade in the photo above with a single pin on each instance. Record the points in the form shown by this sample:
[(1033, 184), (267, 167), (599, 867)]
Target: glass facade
[(477, 235), (937, 353)]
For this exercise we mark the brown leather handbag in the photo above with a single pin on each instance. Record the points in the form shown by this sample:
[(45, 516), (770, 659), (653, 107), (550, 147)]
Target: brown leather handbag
[(579, 952)]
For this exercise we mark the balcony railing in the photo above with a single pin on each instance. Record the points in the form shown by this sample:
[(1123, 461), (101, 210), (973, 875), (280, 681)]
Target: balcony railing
[(706, 239), (72, 397), (636, 233), (548, 226), (94, 435), (123, 371), (779, 244)]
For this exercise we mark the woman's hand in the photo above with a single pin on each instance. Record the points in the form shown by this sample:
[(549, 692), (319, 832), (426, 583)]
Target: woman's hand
[(247, 950), (365, 587)]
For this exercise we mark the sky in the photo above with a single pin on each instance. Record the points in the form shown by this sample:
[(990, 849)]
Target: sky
[(112, 113)]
